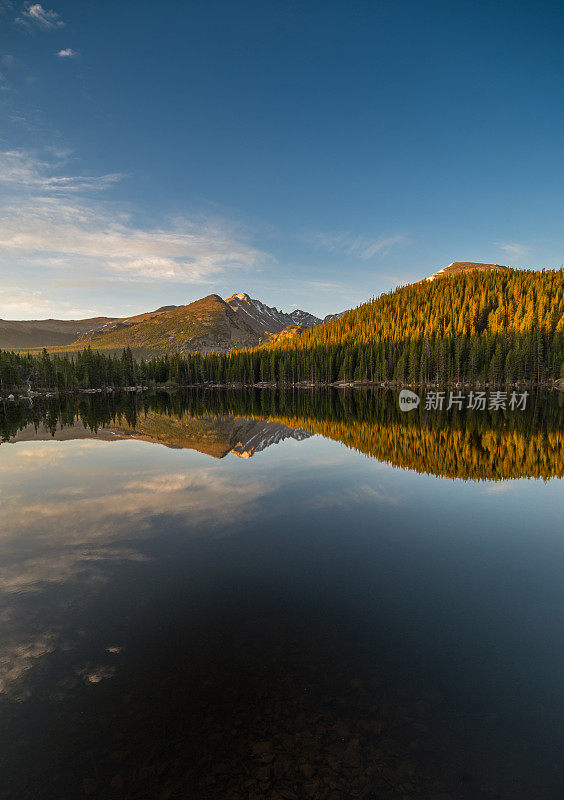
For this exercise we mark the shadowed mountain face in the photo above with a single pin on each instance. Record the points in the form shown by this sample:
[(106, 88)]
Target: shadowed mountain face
[(486, 445), (19, 334)]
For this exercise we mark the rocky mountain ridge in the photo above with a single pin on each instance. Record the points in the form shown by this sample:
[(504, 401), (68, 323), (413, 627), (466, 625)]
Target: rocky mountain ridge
[(270, 318)]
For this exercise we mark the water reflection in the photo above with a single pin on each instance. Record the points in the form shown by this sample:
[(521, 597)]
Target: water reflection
[(486, 445), (309, 623)]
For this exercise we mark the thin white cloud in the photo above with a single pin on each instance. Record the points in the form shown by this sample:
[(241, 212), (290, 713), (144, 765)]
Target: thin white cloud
[(19, 170), (57, 227), (365, 247), (85, 238), (514, 249), (68, 52), (34, 16), (502, 487)]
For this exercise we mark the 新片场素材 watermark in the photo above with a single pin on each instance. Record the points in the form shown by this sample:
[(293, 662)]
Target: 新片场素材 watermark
[(473, 401)]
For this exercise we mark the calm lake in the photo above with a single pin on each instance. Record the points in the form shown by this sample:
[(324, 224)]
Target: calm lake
[(281, 596)]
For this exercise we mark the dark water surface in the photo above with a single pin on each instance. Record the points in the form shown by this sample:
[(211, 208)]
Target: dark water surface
[(281, 597)]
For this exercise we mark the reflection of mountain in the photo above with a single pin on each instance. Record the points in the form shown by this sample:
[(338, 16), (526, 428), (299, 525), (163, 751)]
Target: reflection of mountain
[(214, 436), (476, 446), (260, 435)]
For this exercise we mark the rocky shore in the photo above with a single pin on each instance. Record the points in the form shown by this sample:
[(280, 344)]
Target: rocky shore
[(393, 385)]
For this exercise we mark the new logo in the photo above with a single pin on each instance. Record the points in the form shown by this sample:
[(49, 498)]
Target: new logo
[(408, 400)]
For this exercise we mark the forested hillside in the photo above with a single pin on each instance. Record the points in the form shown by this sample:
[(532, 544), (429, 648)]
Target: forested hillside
[(497, 325)]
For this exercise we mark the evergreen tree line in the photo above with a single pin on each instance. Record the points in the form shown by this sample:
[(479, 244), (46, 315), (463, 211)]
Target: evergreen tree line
[(495, 327)]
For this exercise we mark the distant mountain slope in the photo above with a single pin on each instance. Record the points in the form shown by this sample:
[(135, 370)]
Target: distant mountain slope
[(46, 332), (458, 267), (125, 321), (20, 334)]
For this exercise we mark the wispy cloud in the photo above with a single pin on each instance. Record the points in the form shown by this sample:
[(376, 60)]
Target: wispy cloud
[(365, 247), (514, 249), (83, 237), (34, 16), (61, 227), (20, 170), (67, 53)]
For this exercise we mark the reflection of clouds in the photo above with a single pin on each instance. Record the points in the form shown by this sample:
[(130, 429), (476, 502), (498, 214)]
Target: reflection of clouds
[(96, 674), (30, 458), (164, 483), (58, 566), (91, 507), (14, 456), (18, 656), (363, 493), (503, 487), (91, 513)]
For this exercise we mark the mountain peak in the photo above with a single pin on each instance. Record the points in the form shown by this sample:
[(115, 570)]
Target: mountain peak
[(239, 296), (458, 267), (270, 319)]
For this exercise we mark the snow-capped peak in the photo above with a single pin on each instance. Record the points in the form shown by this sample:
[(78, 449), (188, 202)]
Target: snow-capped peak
[(270, 318)]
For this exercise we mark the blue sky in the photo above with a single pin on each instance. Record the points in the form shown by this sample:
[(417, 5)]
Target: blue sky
[(311, 154)]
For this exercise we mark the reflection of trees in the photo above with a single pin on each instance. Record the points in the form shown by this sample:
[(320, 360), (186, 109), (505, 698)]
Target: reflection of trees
[(456, 444)]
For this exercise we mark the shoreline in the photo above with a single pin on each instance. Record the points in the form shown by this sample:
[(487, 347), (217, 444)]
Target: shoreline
[(555, 385)]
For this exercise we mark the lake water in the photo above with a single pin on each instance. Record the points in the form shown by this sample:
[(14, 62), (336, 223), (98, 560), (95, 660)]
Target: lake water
[(281, 596)]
